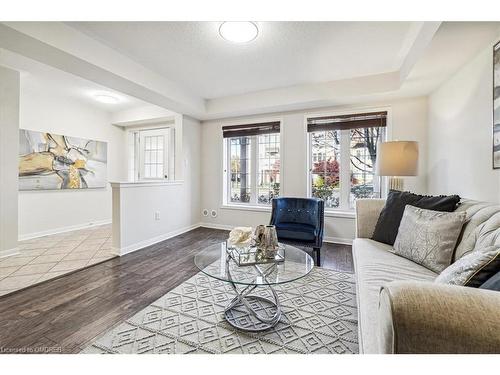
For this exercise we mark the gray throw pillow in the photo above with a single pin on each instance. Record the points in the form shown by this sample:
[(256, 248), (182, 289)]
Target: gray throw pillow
[(472, 269), (428, 237)]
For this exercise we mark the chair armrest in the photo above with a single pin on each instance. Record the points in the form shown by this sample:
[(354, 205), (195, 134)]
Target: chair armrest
[(425, 317), (367, 213)]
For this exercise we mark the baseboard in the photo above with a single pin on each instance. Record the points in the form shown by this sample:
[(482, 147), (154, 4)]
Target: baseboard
[(9, 252), (154, 240), (216, 226), (63, 229), (339, 240)]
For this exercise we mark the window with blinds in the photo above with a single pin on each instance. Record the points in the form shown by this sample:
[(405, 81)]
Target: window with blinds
[(252, 163), (343, 150)]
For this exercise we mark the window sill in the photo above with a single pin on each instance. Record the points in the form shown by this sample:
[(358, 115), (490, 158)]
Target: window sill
[(339, 213), (330, 213), (246, 208)]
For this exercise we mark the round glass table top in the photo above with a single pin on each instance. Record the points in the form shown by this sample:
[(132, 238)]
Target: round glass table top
[(215, 261)]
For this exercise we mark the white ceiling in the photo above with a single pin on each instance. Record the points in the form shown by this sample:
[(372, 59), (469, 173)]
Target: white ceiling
[(40, 78), (284, 54), (187, 68), (454, 44)]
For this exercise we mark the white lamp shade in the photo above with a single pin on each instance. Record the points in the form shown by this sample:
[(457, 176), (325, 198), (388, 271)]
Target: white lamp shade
[(398, 158)]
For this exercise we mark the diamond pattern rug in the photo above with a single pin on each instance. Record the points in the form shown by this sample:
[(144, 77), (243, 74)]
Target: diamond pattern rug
[(319, 316)]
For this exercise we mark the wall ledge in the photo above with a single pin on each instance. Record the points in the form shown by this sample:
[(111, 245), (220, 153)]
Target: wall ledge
[(138, 184)]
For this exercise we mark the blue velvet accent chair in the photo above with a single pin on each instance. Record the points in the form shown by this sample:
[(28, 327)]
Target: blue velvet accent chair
[(300, 221)]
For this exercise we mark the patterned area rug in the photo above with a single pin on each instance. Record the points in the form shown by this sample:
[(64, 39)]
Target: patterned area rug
[(319, 316)]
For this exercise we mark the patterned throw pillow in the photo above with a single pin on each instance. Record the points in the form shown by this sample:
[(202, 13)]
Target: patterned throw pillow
[(428, 237), (473, 269)]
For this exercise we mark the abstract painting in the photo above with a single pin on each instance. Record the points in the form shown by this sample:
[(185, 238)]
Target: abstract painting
[(50, 161), (496, 106)]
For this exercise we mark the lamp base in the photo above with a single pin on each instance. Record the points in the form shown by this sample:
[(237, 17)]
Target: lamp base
[(396, 183)]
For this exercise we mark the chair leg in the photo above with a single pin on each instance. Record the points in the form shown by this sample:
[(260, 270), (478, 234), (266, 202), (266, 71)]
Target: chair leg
[(318, 256)]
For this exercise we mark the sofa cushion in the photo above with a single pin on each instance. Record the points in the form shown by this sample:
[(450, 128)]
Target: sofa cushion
[(482, 228), (375, 264), (296, 231), (387, 225), (428, 237)]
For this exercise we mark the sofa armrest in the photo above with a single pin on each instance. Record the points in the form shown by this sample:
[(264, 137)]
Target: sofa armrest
[(425, 317), (367, 213)]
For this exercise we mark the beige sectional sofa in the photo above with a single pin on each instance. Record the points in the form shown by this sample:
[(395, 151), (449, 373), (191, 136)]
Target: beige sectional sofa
[(401, 309)]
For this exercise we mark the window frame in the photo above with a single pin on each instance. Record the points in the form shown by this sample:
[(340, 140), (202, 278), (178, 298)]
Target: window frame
[(344, 209), (254, 157), (162, 132), (134, 152)]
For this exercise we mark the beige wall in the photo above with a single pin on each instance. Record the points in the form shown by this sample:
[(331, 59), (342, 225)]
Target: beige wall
[(408, 122), (460, 133), (9, 146)]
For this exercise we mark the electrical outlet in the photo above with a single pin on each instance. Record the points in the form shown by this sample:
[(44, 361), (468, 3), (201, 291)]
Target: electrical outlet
[(157, 215)]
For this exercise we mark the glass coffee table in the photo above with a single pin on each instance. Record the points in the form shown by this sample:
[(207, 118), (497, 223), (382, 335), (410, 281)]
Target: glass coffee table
[(250, 311)]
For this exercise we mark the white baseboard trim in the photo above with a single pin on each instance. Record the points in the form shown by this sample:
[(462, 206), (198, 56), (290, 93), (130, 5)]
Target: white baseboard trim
[(9, 252), (63, 230), (339, 240), (217, 226), (154, 240)]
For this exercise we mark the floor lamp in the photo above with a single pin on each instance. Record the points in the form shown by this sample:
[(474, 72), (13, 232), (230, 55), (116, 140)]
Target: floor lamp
[(396, 159)]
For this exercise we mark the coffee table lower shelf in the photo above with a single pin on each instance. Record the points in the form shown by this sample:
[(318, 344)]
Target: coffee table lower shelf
[(253, 313)]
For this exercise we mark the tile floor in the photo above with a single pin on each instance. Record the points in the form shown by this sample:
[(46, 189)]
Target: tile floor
[(44, 258)]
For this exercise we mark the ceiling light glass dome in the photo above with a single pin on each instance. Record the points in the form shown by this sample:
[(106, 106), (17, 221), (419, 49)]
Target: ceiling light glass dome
[(238, 32)]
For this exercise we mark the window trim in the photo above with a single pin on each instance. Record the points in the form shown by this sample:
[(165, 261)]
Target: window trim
[(343, 210), (251, 206), (133, 148), (167, 145)]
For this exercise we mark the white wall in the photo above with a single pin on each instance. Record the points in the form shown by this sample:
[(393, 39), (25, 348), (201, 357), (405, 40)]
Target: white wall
[(9, 145), (460, 133), (409, 122), (44, 212), (178, 203)]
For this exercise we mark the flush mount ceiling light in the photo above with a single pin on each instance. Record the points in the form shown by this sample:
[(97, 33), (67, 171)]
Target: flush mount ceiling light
[(238, 32), (106, 98)]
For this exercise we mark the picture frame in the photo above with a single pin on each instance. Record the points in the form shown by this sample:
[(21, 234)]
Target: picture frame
[(496, 107), (49, 161)]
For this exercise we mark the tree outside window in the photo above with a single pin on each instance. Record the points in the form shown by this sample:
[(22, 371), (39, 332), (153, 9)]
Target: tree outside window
[(328, 176)]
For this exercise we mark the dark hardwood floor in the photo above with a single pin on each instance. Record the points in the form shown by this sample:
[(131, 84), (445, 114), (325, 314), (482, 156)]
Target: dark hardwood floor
[(64, 314)]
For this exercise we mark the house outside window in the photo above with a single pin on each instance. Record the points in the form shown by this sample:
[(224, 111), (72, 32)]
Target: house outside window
[(348, 148), (252, 163)]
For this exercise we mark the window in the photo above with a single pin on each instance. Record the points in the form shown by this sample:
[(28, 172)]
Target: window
[(343, 150), (153, 154), (252, 167)]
